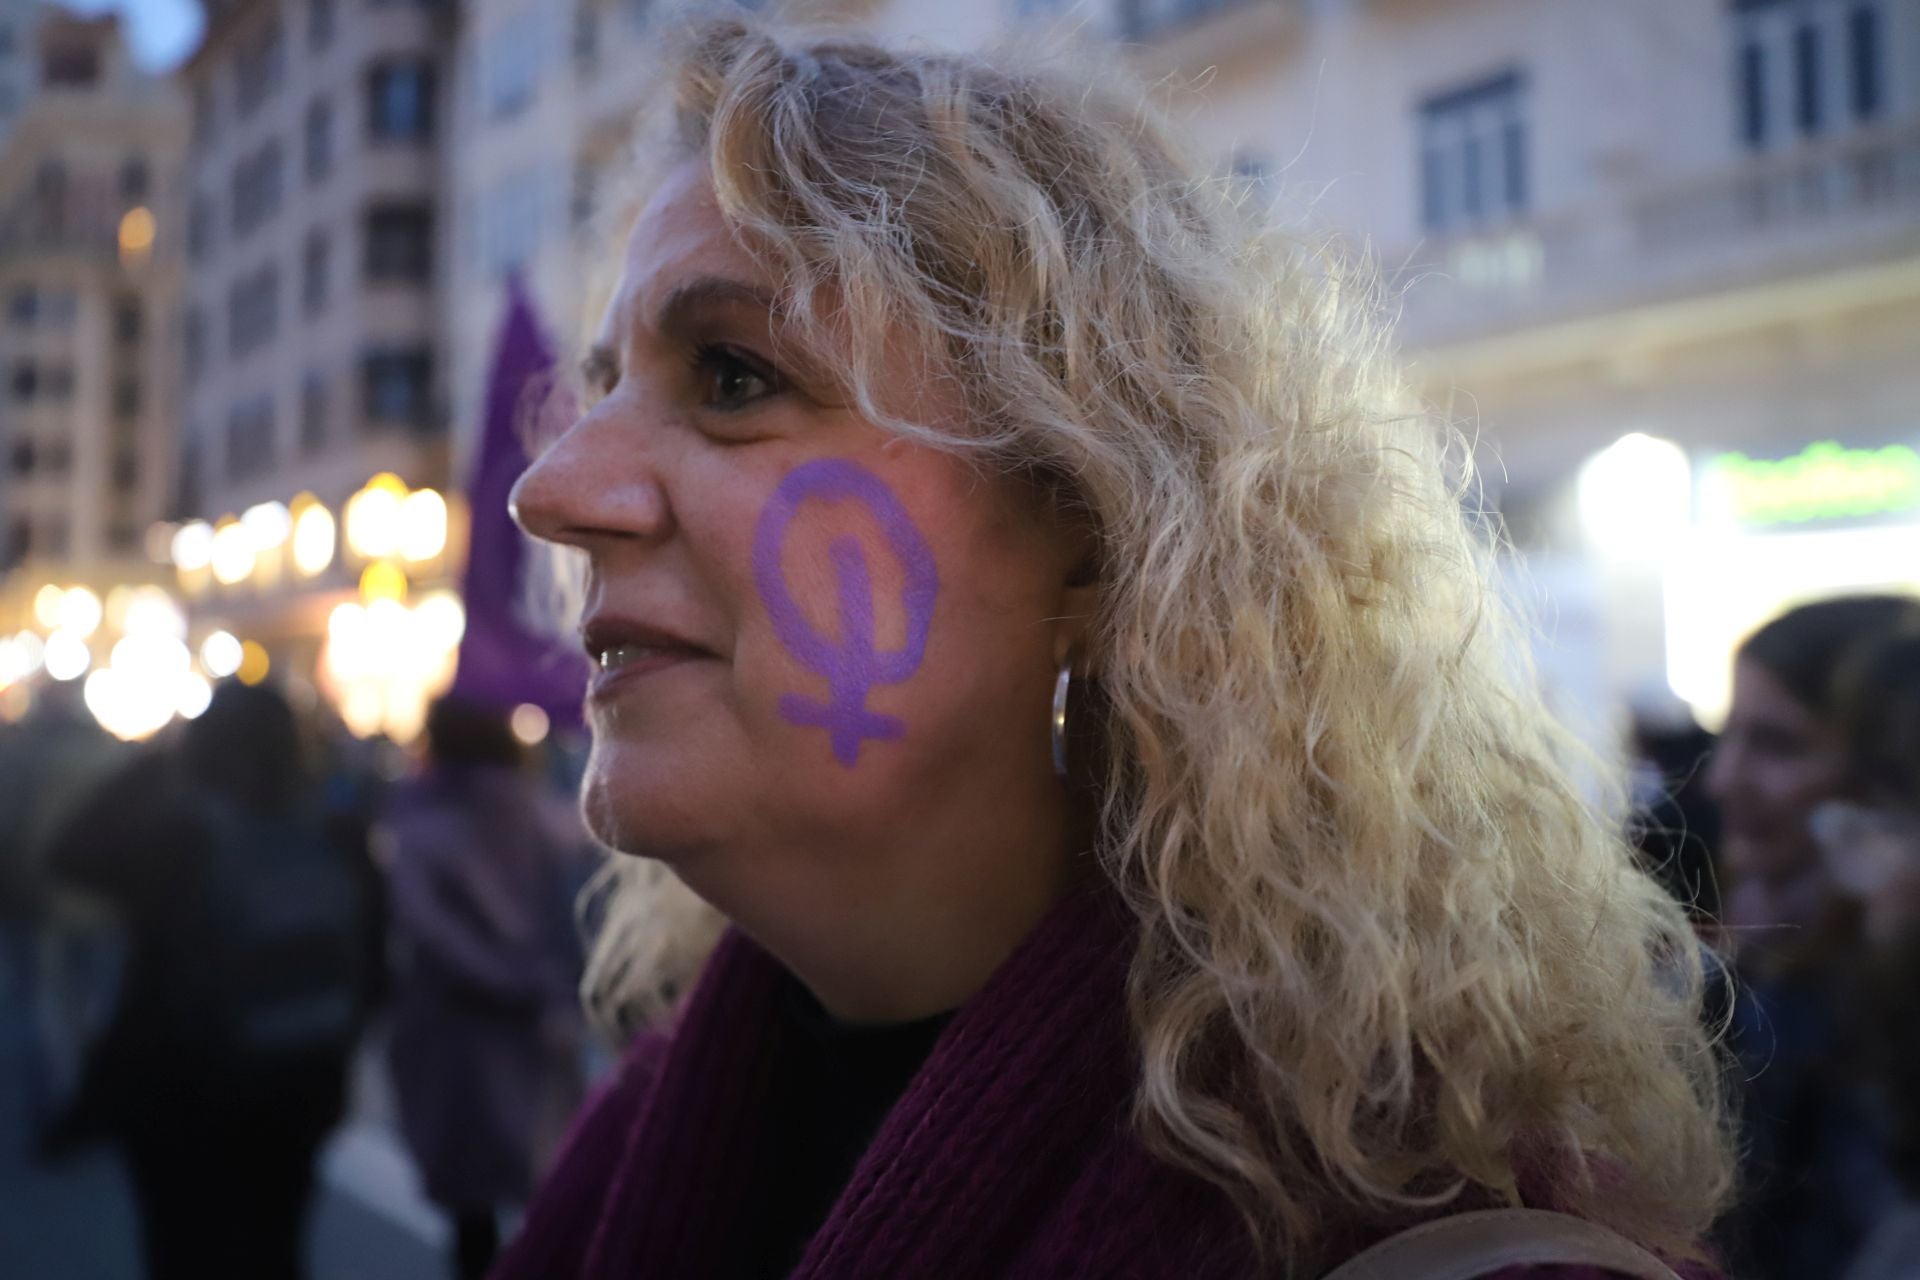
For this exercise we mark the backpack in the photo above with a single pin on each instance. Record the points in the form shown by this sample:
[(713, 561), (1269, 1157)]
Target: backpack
[(283, 950)]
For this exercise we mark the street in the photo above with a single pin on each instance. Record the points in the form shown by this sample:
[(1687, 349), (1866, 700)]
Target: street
[(76, 1220)]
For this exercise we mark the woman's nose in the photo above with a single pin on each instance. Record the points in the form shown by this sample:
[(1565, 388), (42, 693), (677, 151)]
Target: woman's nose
[(593, 487)]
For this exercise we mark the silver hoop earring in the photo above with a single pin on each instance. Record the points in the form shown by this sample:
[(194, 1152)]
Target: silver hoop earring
[(1062, 683)]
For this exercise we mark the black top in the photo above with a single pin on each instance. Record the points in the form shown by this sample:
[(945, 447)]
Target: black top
[(836, 1084)]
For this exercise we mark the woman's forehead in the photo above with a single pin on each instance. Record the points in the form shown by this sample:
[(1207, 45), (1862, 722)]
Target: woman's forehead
[(680, 239)]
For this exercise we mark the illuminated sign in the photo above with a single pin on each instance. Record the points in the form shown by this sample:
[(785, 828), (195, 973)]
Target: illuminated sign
[(1824, 481)]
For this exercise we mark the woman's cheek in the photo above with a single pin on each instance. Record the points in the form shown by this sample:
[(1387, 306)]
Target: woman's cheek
[(847, 583)]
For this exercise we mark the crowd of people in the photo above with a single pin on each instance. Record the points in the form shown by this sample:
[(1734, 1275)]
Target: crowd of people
[(211, 928), (277, 895)]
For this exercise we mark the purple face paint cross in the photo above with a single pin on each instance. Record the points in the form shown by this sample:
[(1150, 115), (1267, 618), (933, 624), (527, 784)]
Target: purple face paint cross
[(850, 663)]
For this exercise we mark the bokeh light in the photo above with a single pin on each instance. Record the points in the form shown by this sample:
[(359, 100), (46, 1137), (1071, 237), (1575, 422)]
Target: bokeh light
[(383, 580), (529, 724), (192, 546), (233, 554), (221, 653), (254, 662), (151, 611), (80, 612), (46, 606), (137, 231), (423, 525), (67, 656), (193, 695), (314, 536), (268, 524), (373, 517), (441, 619)]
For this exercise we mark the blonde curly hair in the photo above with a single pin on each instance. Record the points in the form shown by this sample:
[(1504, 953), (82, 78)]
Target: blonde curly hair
[(1388, 958)]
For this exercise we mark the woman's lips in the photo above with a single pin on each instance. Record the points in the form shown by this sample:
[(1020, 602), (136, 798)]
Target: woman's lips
[(624, 649), (625, 663)]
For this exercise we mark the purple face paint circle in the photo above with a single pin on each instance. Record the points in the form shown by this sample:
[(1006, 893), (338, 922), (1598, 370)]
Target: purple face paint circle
[(849, 661)]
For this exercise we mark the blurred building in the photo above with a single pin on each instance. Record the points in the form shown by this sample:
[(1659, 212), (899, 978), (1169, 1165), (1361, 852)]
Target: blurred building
[(87, 287), (19, 70), (1661, 258), (312, 327)]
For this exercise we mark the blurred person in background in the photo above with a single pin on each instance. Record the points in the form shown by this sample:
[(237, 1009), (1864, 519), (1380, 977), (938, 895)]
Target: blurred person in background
[(1813, 1174), (57, 961), (244, 990), (1871, 842), (486, 1024), (1174, 880)]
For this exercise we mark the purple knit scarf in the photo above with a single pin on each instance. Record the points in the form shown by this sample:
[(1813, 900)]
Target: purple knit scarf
[(1009, 1155)]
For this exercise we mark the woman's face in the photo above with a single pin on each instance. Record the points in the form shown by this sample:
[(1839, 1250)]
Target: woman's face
[(824, 653), (1775, 764)]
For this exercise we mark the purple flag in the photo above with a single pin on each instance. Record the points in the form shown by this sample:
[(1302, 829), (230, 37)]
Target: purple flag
[(506, 656)]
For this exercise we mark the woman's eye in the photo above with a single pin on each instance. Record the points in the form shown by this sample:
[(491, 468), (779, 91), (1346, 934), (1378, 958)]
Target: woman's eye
[(729, 380)]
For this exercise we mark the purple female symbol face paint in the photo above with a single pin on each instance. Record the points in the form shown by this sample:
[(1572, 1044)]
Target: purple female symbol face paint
[(851, 664)]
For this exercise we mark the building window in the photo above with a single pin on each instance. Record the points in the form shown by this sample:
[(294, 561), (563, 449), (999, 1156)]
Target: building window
[(586, 37), (199, 228), (1806, 77), (19, 541), (126, 399), (313, 414), (193, 345), (395, 387), (135, 180), (1804, 68), (399, 243), (70, 66), (1473, 155), (253, 311), (257, 187), (250, 443), (122, 536), (315, 264), (1863, 60), (56, 381), (511, 218), (58, 458), (22, 457), (320, 15), (319, 139), (128, 320), (259, 70), (510, 62), (54, 536), (400, 102), (50, 192), (26, 381), (202, 113), (126, 471), (28, 307)]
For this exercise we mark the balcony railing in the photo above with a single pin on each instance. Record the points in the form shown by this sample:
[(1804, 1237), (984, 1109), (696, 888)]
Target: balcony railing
[(1824, 205)]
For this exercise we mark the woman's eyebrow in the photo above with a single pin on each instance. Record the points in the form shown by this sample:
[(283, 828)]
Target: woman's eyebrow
[(689, 298)]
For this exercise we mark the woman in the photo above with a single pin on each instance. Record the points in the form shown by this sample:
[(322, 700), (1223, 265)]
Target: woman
[(1781, 756), (1022, 608), (1872, 846), (1814, 1177), (486, 1039), (244, 988)]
